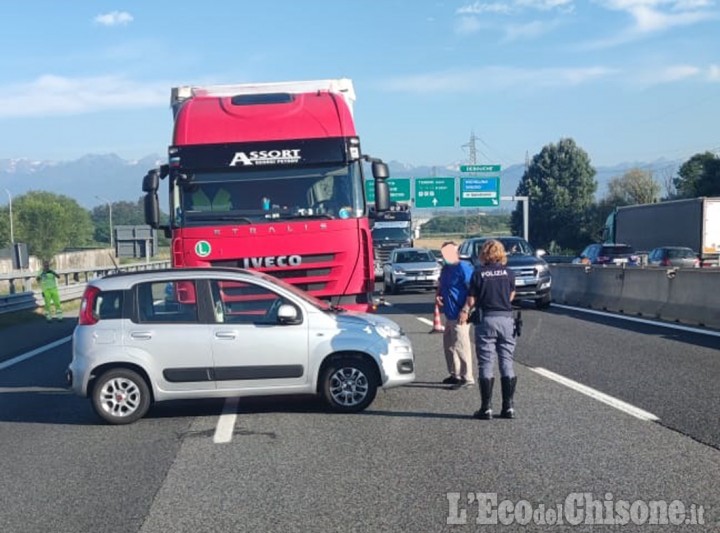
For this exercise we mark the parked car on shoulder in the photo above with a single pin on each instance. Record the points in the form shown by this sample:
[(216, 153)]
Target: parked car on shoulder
[(608, 254), (673, 256), (410, 268), (532, 273), (159, 335)]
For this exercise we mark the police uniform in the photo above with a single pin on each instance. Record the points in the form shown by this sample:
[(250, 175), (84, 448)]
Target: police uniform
[(491, 287)]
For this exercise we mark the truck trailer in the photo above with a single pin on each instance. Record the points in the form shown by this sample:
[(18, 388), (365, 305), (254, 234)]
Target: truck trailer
[(269, 177), (692, 222)]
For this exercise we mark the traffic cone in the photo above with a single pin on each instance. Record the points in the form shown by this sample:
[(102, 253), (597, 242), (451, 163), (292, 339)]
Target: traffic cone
[(437, 321)]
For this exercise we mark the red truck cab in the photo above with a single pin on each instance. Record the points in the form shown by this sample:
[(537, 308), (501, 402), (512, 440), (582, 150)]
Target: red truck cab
[(270, 177)]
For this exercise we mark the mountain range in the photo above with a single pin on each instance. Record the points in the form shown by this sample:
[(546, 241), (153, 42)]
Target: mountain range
[(95, 178)]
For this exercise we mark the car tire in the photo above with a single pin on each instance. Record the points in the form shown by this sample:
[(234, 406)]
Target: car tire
[(121, 396), (544, 302), (348, 384)]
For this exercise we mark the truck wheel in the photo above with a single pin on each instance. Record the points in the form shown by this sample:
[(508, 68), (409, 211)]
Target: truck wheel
[(121, 396), (348, 384)]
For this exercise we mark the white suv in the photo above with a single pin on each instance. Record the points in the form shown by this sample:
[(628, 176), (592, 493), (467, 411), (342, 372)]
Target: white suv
[(146, 337)]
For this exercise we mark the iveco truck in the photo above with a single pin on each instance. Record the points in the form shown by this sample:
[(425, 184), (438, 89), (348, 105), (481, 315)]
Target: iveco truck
[(269, 177)]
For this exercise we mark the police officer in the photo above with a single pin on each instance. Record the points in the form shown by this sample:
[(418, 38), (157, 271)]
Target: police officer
[(492, 290), (48, 284)]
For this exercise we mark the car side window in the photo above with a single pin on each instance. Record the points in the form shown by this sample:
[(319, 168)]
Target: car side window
[(163, 301), (239, 302)]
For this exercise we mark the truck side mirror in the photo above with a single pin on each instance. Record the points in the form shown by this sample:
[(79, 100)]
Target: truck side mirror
[(152, 209), (382, 195), (380, 170), (151, 181)]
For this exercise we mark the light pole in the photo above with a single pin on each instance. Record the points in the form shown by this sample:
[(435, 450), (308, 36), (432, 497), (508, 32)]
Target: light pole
[(12, 235), (109, 204)]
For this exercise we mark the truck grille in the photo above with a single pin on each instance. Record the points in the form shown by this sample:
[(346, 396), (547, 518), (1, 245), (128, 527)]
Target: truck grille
[(312, 266)]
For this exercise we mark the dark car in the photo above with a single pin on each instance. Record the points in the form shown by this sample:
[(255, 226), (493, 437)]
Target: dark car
[(608, 254), (674, 256), (532, 274)]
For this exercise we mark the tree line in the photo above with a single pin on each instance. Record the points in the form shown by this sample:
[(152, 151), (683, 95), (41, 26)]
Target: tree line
[(50, 223), (560, 182)]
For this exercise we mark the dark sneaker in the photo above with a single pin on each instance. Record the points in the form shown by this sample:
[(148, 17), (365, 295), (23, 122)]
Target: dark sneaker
[(463, 384), (450, 380), (483, 415)]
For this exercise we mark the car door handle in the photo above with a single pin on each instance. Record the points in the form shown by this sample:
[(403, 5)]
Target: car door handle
[(225, 335), (141, 335)]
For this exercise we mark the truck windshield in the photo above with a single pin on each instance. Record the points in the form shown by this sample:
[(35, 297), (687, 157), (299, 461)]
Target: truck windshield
[(246, 197), (391, 234)]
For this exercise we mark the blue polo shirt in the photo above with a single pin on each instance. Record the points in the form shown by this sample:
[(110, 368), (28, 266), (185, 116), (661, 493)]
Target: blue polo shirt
[(453, 286), (491, 286)]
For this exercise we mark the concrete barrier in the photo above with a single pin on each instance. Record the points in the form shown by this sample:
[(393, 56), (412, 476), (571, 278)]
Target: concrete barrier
[(688, 296)]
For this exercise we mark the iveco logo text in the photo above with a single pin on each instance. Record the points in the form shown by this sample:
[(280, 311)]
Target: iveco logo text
[(272, 261), (266, 157)]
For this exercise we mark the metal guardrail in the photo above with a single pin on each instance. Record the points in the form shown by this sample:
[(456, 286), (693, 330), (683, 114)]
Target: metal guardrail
[(71, 289)]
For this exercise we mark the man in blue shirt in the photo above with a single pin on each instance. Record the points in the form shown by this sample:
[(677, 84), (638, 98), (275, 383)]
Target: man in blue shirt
[(452, 292)]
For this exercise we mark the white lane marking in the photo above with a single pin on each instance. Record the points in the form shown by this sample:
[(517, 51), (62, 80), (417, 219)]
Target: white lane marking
[(226, 423), (649, 322), (596, 394), (425, 320), (33, 353)]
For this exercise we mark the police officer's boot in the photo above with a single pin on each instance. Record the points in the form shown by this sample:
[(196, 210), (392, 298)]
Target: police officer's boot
[(508, 391), (486, 389)]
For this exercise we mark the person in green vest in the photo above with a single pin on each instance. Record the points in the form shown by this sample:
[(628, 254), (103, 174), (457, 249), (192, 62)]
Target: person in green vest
[(48, 284)]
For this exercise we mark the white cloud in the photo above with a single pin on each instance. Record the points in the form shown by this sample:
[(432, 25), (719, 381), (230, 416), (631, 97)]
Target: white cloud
[(713, 73), (51, 95), (495, 79), (114, 18), (467, 25), (657, 15), (479, 8), (530, 30), (663, 75)]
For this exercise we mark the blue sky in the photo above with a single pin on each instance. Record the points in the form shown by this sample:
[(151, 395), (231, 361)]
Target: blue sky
[(629, 80)]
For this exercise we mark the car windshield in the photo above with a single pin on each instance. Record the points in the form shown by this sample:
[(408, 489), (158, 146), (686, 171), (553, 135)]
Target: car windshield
[(391, 234), (680, 253), (512, 246), (309, 298), (415, 257), (250, 197)]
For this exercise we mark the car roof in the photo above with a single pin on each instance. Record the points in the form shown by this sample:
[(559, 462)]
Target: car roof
[(124, 280), (410, 249)]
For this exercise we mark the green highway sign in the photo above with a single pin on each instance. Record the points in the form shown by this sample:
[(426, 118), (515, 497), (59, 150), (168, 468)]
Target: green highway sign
[(399, 189), (434, 192), (480, 168), (480, 192)]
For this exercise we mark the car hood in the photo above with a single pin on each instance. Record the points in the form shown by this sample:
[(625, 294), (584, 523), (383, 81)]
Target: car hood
[(524, 260), (356, 320)]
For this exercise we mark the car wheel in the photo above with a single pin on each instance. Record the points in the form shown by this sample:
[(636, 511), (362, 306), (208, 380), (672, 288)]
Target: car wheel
[(544, 302), (348, 384), (121, 396)]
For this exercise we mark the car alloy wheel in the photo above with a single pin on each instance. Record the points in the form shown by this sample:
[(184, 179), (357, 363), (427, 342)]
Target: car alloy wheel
[(348, 384), (121, 396)]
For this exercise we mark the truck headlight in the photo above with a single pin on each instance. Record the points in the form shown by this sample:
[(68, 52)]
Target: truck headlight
[(541, 268)]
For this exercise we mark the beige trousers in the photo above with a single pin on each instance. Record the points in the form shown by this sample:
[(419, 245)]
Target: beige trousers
[(458, 351)]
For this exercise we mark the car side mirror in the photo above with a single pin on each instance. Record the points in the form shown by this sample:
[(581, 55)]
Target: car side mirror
[(540, 252), (287, 314), (464, 257)]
